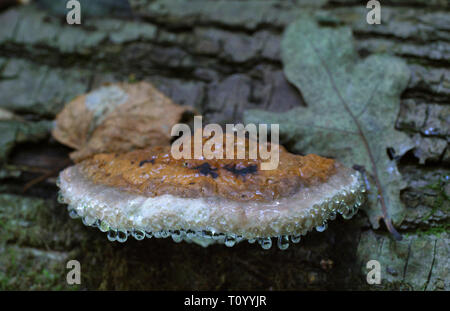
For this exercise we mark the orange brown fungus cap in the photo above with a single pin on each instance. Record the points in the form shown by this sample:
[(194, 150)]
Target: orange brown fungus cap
[(150, 193), (152, 172)]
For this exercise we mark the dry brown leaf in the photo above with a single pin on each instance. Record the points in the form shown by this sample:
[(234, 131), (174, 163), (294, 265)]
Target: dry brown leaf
[(117, 118)]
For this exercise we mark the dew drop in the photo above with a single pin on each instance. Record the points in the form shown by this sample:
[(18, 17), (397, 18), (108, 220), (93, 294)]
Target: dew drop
[(190, 234), (177, 236), (343, 208), (283, 242), (88, 220), (176, 233), (337, 199), (112, 235), (164, 234), (122, 235), (138, 234), (148, 234), (230, 241), (350, 213), (96, 223), (359, 200), (331, 205), (332, 215), (251, 241), (207, 234), (104, 226), (73, 214), (266, 243), (322, 228), (60, 198), (296, 238), (323, 209)]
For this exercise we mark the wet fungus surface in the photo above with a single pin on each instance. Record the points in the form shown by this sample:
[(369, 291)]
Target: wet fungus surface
[(148, 193)]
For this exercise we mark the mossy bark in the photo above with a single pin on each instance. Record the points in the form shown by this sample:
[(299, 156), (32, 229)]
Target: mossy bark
[(221, 58)]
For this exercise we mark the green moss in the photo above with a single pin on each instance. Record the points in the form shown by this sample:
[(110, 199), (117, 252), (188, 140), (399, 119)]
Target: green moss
[(32, 269), (442, 199), (437, 231)]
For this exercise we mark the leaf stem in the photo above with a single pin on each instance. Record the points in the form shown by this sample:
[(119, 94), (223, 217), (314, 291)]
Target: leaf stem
[(397, 236)]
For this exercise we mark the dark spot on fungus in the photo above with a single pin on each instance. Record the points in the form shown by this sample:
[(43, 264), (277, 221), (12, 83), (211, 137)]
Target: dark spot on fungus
[(152, 161), (251, 169), (206, 169)]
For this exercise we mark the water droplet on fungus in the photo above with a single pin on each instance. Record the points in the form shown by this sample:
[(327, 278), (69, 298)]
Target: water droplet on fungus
[(122, 236), (283, 242), (322, 228), (138, 234), (266, 243), (112, 235), (296, 238), (230, 241), (73, 214)]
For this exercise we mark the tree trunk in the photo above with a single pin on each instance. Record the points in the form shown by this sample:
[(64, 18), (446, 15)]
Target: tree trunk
[(221, 57)]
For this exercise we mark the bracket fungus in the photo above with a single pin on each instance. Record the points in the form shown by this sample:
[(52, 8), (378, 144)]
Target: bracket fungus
[(149, 193)]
